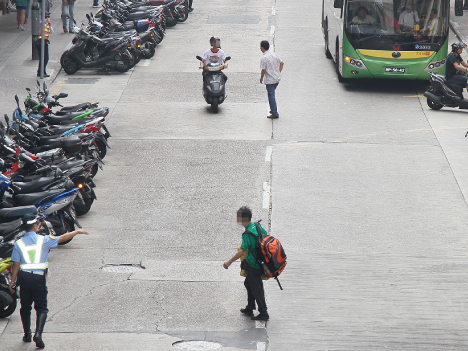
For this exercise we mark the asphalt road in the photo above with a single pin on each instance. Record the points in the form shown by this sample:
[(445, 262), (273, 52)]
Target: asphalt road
[(362, 183)]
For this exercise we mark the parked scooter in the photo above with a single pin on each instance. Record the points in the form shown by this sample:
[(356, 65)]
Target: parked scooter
[(89, 51), (444, 94), (214, 83)]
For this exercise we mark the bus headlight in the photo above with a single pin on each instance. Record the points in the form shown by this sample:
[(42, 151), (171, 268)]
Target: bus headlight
[(435, 65), (354, 62)]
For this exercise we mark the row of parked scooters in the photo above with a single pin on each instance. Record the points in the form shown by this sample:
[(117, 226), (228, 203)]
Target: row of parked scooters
[(49, 156), (121, 33)]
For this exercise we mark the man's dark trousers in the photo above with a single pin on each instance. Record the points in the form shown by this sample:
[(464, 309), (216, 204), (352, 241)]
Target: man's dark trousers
[(254, 285), (32, 289), (46, 55)]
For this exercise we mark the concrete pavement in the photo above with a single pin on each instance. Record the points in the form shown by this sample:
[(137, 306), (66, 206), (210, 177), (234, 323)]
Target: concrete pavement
[(363, 188)]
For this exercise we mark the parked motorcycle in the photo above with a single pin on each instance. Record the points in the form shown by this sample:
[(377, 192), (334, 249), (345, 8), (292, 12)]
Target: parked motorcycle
[(89, 51)]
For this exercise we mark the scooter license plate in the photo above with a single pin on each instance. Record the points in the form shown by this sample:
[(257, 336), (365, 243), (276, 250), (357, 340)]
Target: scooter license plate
[(394, 70)]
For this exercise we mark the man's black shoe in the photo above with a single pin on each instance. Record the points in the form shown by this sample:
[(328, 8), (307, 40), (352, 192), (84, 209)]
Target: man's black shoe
[(190, 9), (261, 317), (247, 312)]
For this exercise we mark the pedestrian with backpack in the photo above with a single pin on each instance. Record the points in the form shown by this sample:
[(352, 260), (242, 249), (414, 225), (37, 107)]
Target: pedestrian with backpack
[(253, 281)]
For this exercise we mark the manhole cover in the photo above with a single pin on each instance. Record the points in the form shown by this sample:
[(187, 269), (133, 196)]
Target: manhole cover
[(82, 80), (197, 345), (122, 268)]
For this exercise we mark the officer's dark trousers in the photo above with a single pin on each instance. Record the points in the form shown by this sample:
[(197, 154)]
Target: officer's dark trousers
[(32, 289), (254, 285), (46, 55)]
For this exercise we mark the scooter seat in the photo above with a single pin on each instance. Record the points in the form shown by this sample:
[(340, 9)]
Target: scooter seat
[(18, 211), (57, 119), (29, 187), (9, 227), (70, 164), (36, 198), (68, 109)]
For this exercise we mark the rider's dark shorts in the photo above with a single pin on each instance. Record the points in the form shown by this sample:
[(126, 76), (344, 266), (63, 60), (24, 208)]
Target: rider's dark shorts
[(458, 80)]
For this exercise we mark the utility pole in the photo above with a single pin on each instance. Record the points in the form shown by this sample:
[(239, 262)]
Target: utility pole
[(41, 70), (34, 28)]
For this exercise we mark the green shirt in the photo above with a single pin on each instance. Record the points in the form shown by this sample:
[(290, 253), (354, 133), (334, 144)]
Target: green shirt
[(248, 244)]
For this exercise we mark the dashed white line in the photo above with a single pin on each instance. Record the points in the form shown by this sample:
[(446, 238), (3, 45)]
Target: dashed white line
[(273, 11), (268, 152), (272, 30), (260, 324), (261, 346), (146, 63), (266, 195)]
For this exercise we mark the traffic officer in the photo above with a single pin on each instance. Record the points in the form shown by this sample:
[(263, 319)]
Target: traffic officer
[(30, 265)]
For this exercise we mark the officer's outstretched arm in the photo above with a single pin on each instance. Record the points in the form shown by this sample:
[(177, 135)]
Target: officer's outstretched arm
[(68, 236)]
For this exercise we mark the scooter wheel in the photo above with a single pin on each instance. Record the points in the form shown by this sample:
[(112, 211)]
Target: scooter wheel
[(214, 105), (8, 311), (433, 105), (70, 66)]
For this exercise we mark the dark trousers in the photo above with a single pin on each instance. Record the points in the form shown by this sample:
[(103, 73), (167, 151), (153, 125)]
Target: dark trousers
[(46, 55), (254, 285), (33, 288)]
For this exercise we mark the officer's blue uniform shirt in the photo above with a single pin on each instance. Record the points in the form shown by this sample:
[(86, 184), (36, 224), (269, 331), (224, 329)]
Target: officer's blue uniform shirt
[(30, 238)]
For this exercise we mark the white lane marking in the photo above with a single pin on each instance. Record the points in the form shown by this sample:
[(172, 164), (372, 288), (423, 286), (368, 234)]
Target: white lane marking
[(269, 151), (260, 324), (266, 195), (273, 11), (261, 346), (272, 30), (146, 63)]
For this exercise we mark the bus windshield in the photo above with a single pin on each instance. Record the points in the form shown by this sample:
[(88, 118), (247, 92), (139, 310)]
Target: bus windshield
[(374, 23)]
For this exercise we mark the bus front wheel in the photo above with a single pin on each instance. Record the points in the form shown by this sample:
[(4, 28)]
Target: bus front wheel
[(337, 64), (327, 49)]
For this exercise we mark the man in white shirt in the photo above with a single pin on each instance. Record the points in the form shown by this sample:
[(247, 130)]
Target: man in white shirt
[(271, 66), (432, 25), (408, 19)]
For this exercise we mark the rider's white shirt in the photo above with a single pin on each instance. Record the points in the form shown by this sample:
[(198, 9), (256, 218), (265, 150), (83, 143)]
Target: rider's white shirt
[(408, 19), (214, 57)]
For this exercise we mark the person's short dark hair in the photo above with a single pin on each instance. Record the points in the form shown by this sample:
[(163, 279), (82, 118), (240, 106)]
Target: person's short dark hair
[(434, 11), (28, 221), (213, 40), (244, 212), (265, 44)]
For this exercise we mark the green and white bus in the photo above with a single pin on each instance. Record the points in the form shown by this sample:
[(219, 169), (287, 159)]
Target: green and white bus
[(402, 39)]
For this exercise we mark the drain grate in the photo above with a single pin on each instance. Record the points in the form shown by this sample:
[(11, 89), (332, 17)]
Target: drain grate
[(197, 345), (82, 80), (122, 268)]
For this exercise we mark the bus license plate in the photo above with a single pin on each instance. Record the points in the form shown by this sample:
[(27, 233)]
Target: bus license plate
[(394, 70)]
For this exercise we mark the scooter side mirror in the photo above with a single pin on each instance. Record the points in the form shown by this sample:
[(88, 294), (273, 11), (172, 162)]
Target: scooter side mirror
[(228, 58), (17, 98), (27, 89), (7, 120), (88, 17), (199, 58), (62, 95)]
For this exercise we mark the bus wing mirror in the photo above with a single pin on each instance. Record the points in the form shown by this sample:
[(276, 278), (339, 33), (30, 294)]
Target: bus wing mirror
[(458, 7), (339, 4)]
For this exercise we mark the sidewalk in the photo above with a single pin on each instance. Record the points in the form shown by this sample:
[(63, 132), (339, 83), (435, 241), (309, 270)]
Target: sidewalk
[(17, 69)]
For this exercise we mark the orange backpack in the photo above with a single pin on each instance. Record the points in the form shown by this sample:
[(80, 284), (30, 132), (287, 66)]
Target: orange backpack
[(270, 254)]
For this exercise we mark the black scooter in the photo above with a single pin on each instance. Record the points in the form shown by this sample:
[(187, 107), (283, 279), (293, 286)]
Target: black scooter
[(214, 84), (89, 51), (442, 93)]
